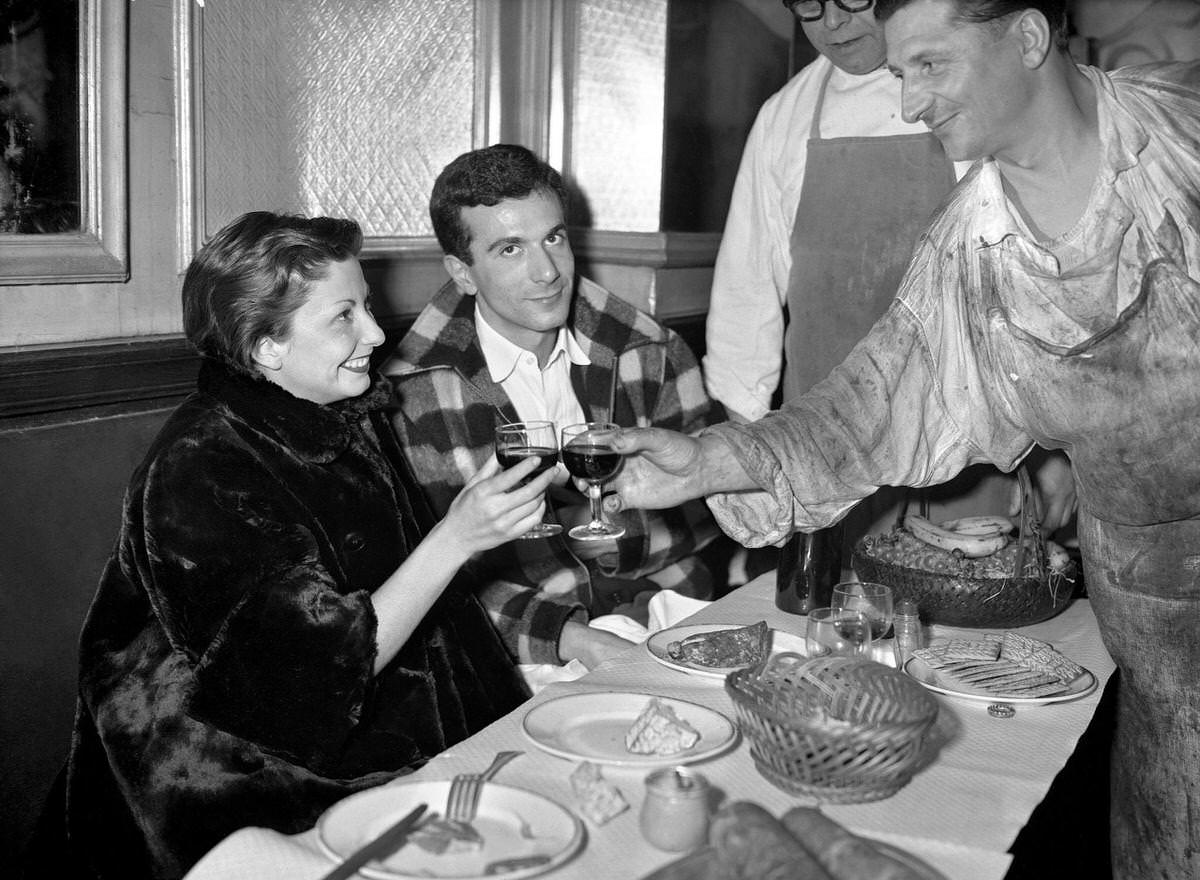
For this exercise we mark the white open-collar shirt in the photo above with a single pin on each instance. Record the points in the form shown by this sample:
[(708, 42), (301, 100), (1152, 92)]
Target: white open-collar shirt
[(536, 392)]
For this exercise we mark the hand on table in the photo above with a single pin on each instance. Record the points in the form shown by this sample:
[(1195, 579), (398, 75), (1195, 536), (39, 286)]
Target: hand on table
[(589, 646)]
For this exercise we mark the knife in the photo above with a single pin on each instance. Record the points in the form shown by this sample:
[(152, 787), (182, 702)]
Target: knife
[(387, 842)]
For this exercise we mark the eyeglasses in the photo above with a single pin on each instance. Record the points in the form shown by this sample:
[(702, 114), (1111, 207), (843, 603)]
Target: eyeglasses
[(813, 10)]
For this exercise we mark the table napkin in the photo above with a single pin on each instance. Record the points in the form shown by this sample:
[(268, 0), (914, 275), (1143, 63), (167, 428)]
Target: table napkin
[(666, 608)]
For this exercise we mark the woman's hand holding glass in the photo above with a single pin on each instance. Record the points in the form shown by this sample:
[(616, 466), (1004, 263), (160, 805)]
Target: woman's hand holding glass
[(498, 505), (536, 440)]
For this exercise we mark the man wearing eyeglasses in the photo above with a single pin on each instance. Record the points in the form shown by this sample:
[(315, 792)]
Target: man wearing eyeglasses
[(833, 191)]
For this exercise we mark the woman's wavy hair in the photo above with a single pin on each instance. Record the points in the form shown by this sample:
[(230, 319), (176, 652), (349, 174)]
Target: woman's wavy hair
[(248, 280), (486, 177), (984, 11)]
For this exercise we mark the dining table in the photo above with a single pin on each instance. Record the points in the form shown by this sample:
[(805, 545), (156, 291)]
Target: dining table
[(959, 814)]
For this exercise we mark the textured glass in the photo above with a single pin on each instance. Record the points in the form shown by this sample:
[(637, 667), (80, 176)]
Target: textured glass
[(341, 107), (616, 128)]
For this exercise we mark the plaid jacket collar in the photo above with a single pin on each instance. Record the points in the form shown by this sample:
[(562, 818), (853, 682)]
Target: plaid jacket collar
[(443, 337)]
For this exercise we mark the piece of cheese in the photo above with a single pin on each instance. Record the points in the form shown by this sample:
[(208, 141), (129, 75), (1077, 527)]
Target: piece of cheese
[(659, 731), (598, 799)]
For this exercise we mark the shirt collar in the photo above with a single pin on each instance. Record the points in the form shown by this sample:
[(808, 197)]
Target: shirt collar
[(1122, 138), (502, 355)]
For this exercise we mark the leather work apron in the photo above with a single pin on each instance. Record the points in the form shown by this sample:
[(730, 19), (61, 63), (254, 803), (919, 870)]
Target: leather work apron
[(1125, 404), (863, 204)]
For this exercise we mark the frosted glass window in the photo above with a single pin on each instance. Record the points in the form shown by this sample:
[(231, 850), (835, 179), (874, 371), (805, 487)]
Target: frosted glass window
[(340, 107), (616, 111)]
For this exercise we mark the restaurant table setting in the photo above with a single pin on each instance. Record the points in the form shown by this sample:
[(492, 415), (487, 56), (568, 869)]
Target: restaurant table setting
[(575, 803)]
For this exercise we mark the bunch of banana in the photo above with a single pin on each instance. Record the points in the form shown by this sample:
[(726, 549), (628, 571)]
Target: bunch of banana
[(973, 536)]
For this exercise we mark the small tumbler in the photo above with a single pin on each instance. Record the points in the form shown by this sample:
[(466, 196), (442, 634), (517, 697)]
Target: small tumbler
[(675, 812)]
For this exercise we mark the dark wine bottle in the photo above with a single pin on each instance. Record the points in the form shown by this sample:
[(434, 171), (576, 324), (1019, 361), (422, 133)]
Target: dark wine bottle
[(809, 566)]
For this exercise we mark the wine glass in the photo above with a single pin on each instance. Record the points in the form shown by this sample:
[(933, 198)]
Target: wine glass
[(520, 440), (873, 600), (588, 454), (838, 631)]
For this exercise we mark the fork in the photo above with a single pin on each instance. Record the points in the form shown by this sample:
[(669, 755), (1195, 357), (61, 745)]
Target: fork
[(463, 798)]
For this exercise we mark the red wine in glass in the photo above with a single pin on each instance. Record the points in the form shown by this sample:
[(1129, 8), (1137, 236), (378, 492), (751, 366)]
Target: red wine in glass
[(511, 456), (591, 462), (588, 455), (521, 440)]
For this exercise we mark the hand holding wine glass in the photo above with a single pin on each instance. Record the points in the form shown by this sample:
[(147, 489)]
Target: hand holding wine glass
[(588, 453), (535, 439)]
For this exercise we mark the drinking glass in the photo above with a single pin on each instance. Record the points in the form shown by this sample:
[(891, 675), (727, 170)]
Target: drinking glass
[(520, 440), (588, 454), (838, 631), (873, 600)]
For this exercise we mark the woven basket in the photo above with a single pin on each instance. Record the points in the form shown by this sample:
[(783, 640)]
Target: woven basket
[(1030, 593), (839, 729)]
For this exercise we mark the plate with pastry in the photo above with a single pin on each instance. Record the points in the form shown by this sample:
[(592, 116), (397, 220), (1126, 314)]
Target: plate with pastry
[(1007, 666), (713, 650), (517, 832), (627, 729)]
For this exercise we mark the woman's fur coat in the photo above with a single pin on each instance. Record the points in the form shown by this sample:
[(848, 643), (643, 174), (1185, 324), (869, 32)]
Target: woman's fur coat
[(227, 660)]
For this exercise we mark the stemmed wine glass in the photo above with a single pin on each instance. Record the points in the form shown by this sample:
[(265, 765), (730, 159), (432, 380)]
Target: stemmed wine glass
[(873, 600), (838, 631), (520, 440), (588, 454)]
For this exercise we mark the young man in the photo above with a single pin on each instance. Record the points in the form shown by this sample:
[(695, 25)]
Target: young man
[(514, 337), (1055, 300)]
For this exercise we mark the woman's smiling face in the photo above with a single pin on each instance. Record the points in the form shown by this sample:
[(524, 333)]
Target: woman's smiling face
[(326, 354)]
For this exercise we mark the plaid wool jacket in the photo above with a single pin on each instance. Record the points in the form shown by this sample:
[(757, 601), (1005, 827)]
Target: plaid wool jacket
[(641, 374)]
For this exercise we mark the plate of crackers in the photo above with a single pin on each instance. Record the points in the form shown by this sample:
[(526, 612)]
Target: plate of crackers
[(1000, 666)]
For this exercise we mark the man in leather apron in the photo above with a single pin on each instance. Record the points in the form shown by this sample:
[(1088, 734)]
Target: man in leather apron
[(1055, 300), (868, 183)]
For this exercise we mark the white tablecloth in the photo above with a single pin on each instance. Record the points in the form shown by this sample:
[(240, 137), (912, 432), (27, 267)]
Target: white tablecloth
[(960, 814)]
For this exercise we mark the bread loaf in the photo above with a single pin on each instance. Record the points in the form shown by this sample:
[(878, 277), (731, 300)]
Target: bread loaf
[(699, 864), (752, 844), (843, 854)]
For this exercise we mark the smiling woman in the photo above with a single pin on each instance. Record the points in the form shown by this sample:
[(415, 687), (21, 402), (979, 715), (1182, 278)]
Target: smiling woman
[(283, 621)]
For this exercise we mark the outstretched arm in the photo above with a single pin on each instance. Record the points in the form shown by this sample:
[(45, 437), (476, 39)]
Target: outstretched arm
[(665, 468), (491, 509)]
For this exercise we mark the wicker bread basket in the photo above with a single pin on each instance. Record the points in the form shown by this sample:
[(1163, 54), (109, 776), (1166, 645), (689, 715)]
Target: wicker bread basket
[(840, 729), (1030, 592)]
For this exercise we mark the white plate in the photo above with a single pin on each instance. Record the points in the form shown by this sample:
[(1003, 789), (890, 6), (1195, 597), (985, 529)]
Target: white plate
[(557, 833), (592, 727), (657, 646), (1083, 685)]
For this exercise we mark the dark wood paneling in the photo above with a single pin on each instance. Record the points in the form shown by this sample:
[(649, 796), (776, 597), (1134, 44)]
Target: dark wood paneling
[(43, 383), (94, 375)]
